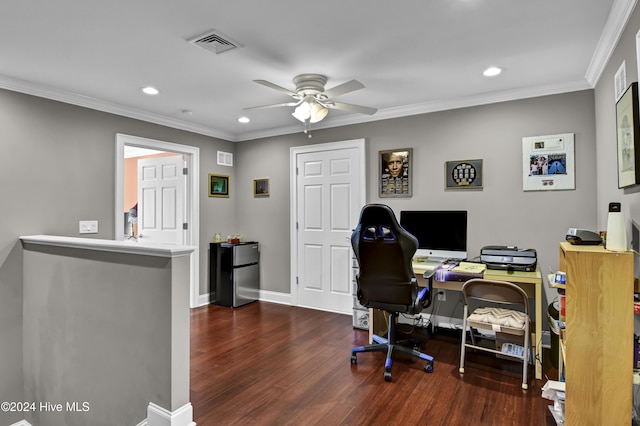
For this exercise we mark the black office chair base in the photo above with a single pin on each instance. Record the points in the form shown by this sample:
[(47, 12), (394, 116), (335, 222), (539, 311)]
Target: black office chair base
[(390, 346)]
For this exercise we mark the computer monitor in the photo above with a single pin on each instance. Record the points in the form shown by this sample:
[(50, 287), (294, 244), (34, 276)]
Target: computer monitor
[(441, 234)]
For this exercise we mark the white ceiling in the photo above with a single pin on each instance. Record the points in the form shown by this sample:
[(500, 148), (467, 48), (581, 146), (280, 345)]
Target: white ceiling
[(413, 56)]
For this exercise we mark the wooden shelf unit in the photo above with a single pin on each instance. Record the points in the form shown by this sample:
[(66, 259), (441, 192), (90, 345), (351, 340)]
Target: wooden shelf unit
[(599, 335)]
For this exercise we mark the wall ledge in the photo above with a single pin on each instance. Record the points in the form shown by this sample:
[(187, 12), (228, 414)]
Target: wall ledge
[(128, 247)]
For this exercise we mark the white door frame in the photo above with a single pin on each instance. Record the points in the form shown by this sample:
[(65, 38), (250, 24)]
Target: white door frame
[(293, 154), (192, 200)]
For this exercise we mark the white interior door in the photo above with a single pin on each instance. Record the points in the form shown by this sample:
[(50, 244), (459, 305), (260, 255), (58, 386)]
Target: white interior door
[(329, 196), (161, 192)]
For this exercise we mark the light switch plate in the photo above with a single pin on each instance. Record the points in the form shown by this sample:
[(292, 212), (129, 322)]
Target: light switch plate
[(88, 227)]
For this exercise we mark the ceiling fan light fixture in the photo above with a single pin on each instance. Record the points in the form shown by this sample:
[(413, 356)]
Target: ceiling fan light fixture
[(318, 112), (302, 112)]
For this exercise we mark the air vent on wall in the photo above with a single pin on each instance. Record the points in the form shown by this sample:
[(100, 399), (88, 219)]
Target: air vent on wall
[(215, 41), (225, 158)]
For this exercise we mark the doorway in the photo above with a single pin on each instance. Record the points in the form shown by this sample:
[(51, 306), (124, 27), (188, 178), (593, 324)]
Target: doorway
[(191, 201), (327, 194)]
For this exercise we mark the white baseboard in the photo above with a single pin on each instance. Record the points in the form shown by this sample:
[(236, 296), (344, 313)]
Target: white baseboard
[(158, 416), (21, 423), (275, 297), (265, 295), (203, 299)]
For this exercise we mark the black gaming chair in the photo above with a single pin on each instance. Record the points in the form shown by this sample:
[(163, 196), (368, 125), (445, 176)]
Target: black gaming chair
[(386, 280)]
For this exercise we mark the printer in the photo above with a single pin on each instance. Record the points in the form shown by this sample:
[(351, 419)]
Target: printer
[(509, 258)]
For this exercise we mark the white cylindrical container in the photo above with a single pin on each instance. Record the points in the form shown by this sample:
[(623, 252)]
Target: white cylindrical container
[(616, 229)]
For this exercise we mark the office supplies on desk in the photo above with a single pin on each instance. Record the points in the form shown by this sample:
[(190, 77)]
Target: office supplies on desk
[(470, 267), (583, 237), (459, 271), (509, 257)]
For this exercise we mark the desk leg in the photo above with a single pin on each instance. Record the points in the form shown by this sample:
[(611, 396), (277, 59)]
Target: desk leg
[(538, 363)]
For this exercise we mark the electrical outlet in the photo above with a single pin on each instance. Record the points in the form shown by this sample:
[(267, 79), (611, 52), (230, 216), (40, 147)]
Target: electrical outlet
[(442, 296), (88, 227)]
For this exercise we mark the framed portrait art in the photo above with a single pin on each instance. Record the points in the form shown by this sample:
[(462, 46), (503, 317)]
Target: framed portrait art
[(628, 131), (218, 186), (261, 187), (395, 173)]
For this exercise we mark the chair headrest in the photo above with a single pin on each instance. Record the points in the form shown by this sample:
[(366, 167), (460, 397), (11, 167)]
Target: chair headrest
[(372, 232), (378, 214)]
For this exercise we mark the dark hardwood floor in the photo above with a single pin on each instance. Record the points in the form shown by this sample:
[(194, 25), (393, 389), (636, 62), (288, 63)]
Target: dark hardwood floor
[(270, 364)]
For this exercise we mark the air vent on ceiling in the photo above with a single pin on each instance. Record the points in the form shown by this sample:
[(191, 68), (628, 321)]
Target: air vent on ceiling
[(215, 41)]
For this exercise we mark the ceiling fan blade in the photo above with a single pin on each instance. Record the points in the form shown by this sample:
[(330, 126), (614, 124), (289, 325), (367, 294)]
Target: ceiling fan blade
[(286, 104), (276, 87), (351, 108), (343, 88)]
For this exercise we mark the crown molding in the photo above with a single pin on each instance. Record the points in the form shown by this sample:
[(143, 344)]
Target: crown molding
[(42, 91), (424, 108), (22, 86), (621, 11)]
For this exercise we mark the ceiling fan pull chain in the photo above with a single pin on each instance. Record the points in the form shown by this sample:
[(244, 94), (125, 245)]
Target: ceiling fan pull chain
[(307, 128)]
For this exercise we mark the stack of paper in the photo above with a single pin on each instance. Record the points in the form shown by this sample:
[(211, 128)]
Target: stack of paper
[(470, 268), (555, 391)]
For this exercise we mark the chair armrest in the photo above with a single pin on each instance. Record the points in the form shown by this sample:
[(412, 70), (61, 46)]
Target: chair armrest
[(428, 274), (425, 293)]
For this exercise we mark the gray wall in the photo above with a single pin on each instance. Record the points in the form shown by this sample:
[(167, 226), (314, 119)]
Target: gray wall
[(502, 213), (606, 149), (98, 330), (58, 167)]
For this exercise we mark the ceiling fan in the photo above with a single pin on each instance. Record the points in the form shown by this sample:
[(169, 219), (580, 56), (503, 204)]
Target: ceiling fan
[(312, 101)]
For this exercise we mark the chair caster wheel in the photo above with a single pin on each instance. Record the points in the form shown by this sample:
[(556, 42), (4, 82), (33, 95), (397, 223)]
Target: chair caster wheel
[(387, 376), (354, 359), (428, 367)]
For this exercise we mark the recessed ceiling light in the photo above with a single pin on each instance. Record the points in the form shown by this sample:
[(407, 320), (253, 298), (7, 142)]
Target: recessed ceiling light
[(150, 90), (243, 120), (492, 71)]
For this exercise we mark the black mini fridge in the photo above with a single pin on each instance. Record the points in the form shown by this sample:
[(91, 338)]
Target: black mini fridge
[(234, 273)]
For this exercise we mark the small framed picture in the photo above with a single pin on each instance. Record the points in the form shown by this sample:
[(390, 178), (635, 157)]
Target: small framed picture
[(395, 173), (218, 186), (463, 174), (261, 187), (627, 135)]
